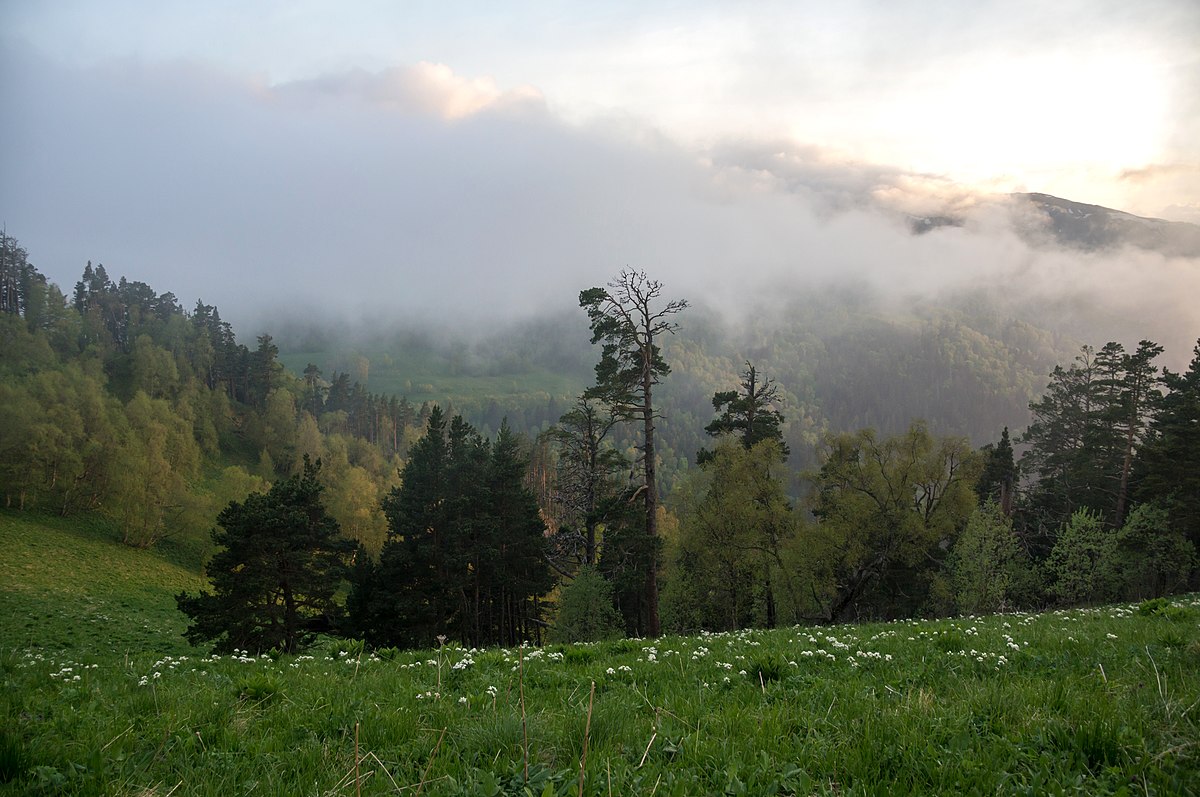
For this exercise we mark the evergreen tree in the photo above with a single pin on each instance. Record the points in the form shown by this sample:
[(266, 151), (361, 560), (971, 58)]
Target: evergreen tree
[(1169, 462), (749, 414), (518, 540), (1085, 435), (998, 481), (471, 543), (625, 316), (1061, 440), (1133, 402), (466, 550), (275, 579), (23, 289), (409, 602), (264, 370), (314, 390)]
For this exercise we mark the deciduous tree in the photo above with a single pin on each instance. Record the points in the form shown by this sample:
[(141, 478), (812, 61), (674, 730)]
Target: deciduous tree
[(891, 509), (1082, 566), (984, 562), (729, 564), (589, 486)]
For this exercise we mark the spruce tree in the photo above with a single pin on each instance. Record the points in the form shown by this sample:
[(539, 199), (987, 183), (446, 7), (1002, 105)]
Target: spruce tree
[(998, 481), (1169, 462), (518, 543), (466, 551), (408, 603)]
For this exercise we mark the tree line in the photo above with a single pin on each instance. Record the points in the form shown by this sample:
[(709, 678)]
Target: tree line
[(893, 526), (116, 400), (120, 402)]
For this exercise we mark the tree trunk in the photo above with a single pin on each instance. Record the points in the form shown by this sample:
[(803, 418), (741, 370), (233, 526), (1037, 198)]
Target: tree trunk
[(652, 625), (770, 596), (1126, 463), (290, 630)]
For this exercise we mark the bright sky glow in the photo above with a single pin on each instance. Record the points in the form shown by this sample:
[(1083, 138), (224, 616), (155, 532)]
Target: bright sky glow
[(1001, 95), (1028, 117)]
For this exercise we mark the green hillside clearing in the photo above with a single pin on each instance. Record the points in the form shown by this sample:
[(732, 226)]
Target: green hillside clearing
[(68, 584)]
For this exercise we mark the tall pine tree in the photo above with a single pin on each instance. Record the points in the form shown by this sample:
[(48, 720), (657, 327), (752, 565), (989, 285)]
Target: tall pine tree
[(629, 319)]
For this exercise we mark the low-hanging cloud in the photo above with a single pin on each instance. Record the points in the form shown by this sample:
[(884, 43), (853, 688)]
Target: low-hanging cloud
[(411, 194), (425, 88)]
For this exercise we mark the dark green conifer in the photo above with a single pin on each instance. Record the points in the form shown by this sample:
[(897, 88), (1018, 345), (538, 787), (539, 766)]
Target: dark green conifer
[(281, 563)]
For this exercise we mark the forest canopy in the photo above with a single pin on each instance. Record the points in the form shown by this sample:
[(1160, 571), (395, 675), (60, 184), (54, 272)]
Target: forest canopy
[(813, 466)]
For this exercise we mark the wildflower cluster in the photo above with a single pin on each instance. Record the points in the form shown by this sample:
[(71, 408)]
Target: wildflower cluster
[(67, 672)]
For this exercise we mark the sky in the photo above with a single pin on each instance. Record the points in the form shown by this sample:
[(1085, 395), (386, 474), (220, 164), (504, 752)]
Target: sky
[(369, 156)]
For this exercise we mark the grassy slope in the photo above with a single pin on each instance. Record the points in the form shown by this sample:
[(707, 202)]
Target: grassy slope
[(69, 584), (422, 376), (1103, 701)]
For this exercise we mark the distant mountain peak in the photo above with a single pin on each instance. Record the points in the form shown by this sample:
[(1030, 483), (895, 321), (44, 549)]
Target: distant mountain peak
[(1042, 218)]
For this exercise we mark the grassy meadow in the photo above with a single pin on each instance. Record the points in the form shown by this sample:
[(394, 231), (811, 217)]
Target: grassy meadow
[(421, 375), (102, 696)]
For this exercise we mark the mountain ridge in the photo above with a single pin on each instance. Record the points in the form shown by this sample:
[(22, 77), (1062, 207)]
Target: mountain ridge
[(1042, 220), (1088, 227)]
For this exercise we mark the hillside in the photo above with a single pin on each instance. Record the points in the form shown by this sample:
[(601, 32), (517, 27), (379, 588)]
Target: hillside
[(842, 358), (68, 584), (1078, 225)]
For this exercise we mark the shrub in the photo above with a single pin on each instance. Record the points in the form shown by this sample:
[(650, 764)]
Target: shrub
[(1082, 566), (1158, 559), (1161, 607), (585, 610)]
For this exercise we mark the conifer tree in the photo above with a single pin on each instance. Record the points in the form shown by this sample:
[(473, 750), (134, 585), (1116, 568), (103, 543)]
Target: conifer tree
[(518, 541), (466, 549), (749, 414), (276, 577), (997, 483), (626, 316), (1169, 462), (409, 604)]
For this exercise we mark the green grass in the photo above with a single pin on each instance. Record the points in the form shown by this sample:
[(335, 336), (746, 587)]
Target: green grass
[(68, 584), (1097, 701), (422, 375)]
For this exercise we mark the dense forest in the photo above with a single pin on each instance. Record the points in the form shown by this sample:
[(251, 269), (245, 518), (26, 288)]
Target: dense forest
[(832, 457)]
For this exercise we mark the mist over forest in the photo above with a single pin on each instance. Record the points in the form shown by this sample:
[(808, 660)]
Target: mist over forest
[(412, 197)]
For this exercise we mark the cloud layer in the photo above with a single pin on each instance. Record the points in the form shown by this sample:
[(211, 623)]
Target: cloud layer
[(411, 193)]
